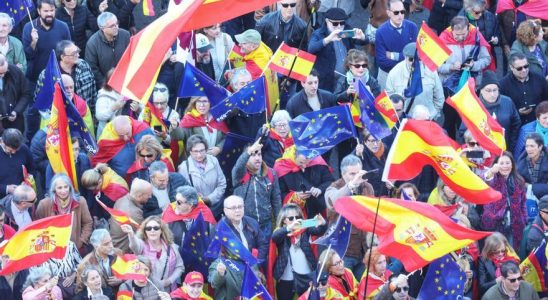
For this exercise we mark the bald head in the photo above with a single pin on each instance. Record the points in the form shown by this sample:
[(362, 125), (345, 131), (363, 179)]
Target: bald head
[(68, 84), (122, 126), (421, 112), (24, 196), (141, 190)]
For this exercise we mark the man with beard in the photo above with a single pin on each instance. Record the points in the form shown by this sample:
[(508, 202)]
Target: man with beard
[(203, 56)]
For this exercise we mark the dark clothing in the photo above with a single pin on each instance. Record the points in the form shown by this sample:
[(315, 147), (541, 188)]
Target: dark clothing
[(121, 8), (342, 86), (103, 55), (83, 295), (531, 92), (487, 24), (274, 31), (239, 24), (208, 69), (15, 293), (487, 274), (83, 20), (271, 150), (298, 104), (244, 124), (141, 21), (371, 162), (540, 186), (252, 233), (535, 235), (426, 181), (151, 207), (525, 291), (38, 152), (442, 14), (11, 171), (14, 96)]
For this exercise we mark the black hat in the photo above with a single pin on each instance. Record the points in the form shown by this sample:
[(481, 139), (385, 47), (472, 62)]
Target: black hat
[(543, 203), (488, 77), (336, 14)]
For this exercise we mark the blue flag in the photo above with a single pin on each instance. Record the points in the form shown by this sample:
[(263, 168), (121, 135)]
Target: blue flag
[(444, 280), (17, 9), (314, 133), (46, 86), (252, 286), (194, 244), (251, 99), (78, 127), (232, 248), (370, 117), (414, 85), (232, 148), (338, 236), (196, 83)]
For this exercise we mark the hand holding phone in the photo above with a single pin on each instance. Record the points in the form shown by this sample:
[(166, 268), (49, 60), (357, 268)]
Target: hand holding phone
[(347, 34), (309, 223)]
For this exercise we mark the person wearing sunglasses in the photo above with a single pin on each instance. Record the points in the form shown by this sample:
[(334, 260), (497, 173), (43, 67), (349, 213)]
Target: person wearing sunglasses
[(147, 151), (331, 48), (19, 207), (512, 285), (496, 250), (155, 241), (478, 159), (169, 117), (356, 65)]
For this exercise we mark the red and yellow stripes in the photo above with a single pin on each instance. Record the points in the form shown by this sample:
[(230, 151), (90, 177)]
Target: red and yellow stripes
[(128, 267), (384, 106), (292, 62), (432, 51), (114, 186), (121, 217), (148, 8)]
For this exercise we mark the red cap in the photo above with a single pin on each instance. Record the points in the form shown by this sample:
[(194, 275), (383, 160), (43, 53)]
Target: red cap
[(194, 277)]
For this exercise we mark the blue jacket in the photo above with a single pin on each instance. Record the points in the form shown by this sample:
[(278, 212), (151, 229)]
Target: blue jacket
[(540, 187), (121, 162), (387, 38), (523, 132)]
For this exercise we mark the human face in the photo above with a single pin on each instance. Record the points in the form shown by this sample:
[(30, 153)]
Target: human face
[(160, 180), (147, 156), (533, 149), (401, 291), (182, 204), (111, 28), (62, 189), (234, 210), (76, 149), (106, 247), (358, 68), (42, 281), (93, 282), (282, 128), (198, 152), (68, 84), (460, 34), (202, 105), (490, 93), (544, 215), (144, 196), (4, 69), (31, 196), (301, 161), (520, 69), (477, 12), (47, 14), (396, 13), (153, 230), (511, 281), (247, 47), (310, 85), (399, 108), (287, 8), (8, 149), (160, 104), (5, 28), (373, 144), (449, 192), (193, 290), (70, 4), (255, 160), (124, 131), (351, 172), (203, 57), (543, 120), (499, 252), (505, 166), (380, 265), (337, 265), (71, 55), (213, 31), (292, 217), (242, 81), (335, 24), (410, 193), (473, 144)]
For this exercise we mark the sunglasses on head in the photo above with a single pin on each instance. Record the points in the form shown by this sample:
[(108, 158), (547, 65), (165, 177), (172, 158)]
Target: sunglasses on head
[(397, 12), (401, 289), (364, 66), (522, 67), (286, 5), (338, 23), (515, 279), (291, 218), (150, 228)]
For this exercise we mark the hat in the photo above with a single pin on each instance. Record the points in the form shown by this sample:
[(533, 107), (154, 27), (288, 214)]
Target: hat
[(202, 43), (543, 203), (489, 77), (409, 49), (194, 277), (249, 36), (336, 14)]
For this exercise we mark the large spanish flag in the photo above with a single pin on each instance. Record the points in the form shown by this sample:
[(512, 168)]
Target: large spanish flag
[(421, 143), (292, 62), (58, 142), (432, 51), (484, 128), (414, 232), (39, 241), (127, 267)]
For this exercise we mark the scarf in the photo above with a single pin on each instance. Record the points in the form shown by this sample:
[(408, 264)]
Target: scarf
[(498, 263), (350, 78), (543, 131), (194, 119), (295, 236), (287, 164), (286, 142)]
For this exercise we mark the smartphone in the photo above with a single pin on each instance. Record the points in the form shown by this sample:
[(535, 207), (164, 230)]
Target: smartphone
[(474, 154), (309, 223), (158, 128), (347, 34), (364, 176)]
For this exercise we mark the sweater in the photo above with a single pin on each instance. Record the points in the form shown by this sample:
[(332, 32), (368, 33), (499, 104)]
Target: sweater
[(11, 171), (388, 39), (82, 20)]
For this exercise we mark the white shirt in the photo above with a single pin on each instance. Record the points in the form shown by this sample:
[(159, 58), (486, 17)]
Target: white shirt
[(240, 229), (21, 217)]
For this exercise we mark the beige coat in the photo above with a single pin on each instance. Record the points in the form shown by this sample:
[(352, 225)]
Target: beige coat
[(135, 211)]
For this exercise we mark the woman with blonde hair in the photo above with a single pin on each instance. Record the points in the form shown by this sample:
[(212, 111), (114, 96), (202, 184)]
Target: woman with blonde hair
[(147, 151), (106, 184), (496, 250)]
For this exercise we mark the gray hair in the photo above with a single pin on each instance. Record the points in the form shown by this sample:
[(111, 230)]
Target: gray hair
[(20, 193), (508, 267), (103, 18), (35, 274), (97, 237), (349, 161), (232, 197), (470, 5), (86, 271), (419, 111), (7, 17), (63, 177), (194, 140), (157, 95), (237, 73), (467, 136), (189, 193), (157, 167), (280, 115)]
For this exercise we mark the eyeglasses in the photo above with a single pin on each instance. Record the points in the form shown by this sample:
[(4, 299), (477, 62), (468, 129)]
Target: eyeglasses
[(146, 155), (357, 66), (160, 89), (411, 59), (202, 102), (512, 280), (281, 125), (150, 228), (337, 23), (115, 25), (522, 67), (160, 103), (201, 151), (372, 141), (31, 201), (286, 5), (402, 289), (291, 218), (235, 207), (473, 144), (339, 263), (397, 12), (75, 53)]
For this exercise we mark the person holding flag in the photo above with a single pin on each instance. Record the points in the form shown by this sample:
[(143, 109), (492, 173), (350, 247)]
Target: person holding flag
[(42, 285), (159, 116), (356, 66), (139, 288), (278, 137)]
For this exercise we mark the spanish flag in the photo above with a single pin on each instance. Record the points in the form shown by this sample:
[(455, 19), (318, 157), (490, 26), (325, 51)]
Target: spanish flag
[(292, 62), (39, 241), (127, 267), (484, 128), (124, 295), (148, 8), (153, 117), (534, 270), (28, 179), (386, 109), (432, 51), (121, 217), (411, 231), (421, 143), (58, 143), (114, 186)]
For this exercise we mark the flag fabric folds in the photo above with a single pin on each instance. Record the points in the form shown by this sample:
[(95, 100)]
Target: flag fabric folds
[(338, 236), (114, 186), (124, 295), (386, 109), (444, 281), (534, 268), (370, 117), (148, 8), (292, 62), (153, 117), (314, 133), (28, 179), (431, 146), (127, 267), (46, 87), (252, 288), (411, 231), (195, 83), (194, 245), (58, 140), (17, 9), (39, 241), (414, 85), (121, 217), (484, 128), (251, 99), (432, 51), (226, 240)]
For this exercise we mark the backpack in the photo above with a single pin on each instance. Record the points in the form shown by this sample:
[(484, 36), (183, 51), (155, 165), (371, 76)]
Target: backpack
[(523, 243)]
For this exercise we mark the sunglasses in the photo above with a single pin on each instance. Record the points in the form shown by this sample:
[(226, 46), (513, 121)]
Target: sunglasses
[(357, 66), (286, 5), (522, 67), (146, 155), (473, 144), (512, 280), (401, 289), (478, 12), (411, 59), (291, 218), (397, 12), (160, 89), (337, 23), (150, 228)]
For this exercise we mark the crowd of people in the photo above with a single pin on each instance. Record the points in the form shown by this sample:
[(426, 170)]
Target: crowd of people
[(164, 177)]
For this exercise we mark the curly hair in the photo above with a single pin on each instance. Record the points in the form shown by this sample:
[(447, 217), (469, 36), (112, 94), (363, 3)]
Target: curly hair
[(528, 31), (354, 56), (149, 143)]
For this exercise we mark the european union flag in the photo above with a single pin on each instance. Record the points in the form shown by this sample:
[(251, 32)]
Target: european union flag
[(78, 127), (46, 86), (232, 248), (444, 280), (370, 117), (17, 9), (314, 133), (194, 245), (232, 148), (338, 236), (252, 287), (414, 85), (196, 83), (251, 99)]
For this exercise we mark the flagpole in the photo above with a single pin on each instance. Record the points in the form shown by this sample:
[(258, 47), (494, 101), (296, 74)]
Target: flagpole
[(30, 17), (408, 86), (150, 281), (371, 247), (323, 264)]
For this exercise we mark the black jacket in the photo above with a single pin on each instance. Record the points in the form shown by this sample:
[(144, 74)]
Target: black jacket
[(342, 86), (273, 31), (83, 20), (535, 235), (151, 207), (488, 25), (121, 8), (487, 274), (17, 292), (371, 162), (83, 295), (14, 95), (531, 92), (103, 56), (540, 187), (441, 15), (298, 104)]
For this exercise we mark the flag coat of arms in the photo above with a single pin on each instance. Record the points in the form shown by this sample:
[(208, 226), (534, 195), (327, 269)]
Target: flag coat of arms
[(292, 62), (432, 51)]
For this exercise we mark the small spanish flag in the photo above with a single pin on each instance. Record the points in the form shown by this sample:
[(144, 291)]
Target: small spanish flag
[(292, 62), (127, 267), (39, 241), (432, 51), (120, 216), (124, 295), (386, 109), (484, 128), (28, 179), (148, 8)]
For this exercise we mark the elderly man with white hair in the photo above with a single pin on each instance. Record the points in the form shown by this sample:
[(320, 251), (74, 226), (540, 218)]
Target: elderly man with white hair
[(160, 100), (10, 46)]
